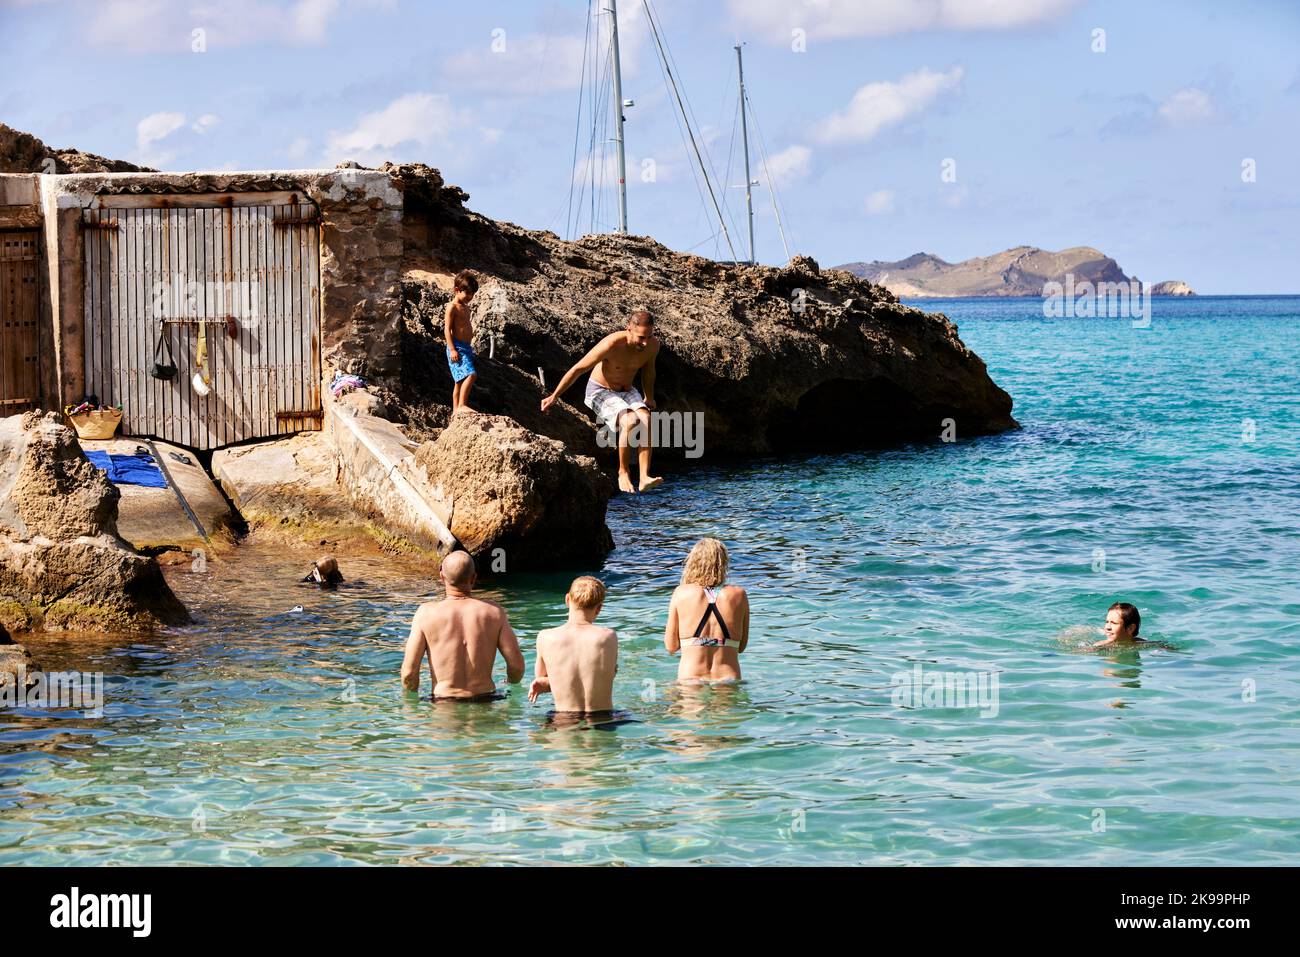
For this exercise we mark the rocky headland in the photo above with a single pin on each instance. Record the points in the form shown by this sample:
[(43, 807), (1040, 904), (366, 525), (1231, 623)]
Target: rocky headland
[(1020, 271), (772, 358), (762, 360)]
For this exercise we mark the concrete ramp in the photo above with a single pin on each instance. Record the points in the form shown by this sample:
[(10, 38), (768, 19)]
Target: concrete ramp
[(184, 515), (377, 463)]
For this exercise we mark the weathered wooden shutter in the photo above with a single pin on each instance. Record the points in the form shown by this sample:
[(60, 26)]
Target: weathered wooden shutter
[(167, 268)]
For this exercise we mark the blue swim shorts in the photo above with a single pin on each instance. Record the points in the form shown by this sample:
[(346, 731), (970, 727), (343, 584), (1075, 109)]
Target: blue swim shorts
[(465, 367)]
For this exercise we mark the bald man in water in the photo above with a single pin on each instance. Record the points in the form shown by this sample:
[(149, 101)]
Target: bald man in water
[(461, 636)]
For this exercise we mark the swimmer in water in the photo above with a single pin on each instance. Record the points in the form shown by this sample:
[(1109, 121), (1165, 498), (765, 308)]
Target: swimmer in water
[(325, 573), (461, 636), (717, 613), (576, 662), (1122, 624)]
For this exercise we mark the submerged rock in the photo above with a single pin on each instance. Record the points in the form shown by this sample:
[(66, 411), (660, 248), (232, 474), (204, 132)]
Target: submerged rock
[(15, 661), (506, 488), (62, 564)]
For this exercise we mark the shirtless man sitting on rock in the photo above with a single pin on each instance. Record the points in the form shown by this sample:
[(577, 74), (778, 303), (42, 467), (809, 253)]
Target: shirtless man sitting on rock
[(461, 636), (619, 407)]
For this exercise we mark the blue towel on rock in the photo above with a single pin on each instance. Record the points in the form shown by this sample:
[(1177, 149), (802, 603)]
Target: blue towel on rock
[(129, 469)]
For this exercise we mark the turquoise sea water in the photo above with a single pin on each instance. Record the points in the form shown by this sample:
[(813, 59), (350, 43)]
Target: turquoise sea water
[(263, 735)]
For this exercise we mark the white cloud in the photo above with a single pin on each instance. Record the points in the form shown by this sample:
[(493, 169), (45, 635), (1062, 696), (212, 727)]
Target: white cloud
[(955, 197), (790, 164), (603, 168), (880, 203), (830, 19), (205, 122), (157, 126), (530, 63), (423, 127), (150, 133), (879, 105), (138, 26), (310, 18), (1191, 105)]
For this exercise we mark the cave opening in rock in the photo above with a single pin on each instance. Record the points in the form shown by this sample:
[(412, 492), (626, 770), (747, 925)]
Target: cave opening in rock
[(846, 414)]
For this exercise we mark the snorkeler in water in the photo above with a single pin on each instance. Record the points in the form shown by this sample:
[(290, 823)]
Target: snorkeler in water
[(325, 573), (1122, 624)]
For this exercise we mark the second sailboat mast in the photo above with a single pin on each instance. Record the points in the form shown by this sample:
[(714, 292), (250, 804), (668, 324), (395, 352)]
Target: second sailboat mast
[(612, 10)]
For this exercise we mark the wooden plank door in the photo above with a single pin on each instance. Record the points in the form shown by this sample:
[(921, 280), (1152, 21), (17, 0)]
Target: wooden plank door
[(250, 270), (20, 358)]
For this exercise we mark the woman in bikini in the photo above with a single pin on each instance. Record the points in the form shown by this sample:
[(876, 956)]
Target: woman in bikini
[(708, 621)]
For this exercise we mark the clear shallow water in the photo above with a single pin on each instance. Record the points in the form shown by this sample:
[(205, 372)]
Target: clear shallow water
[(264, 736)]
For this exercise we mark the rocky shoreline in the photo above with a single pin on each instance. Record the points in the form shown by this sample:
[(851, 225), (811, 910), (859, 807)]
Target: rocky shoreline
[(763, 360), (772, 358), (63, 565), (756, 360)]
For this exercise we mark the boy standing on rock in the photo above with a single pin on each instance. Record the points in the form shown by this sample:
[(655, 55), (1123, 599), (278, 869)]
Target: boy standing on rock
[(460, 333), (619, 407)]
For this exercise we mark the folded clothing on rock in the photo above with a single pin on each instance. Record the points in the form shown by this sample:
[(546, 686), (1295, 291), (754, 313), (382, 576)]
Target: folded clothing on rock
[(129, 469), (346, 383)]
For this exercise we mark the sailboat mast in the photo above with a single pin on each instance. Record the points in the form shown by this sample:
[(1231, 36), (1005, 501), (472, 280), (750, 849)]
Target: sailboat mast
[(744, 134), (612, 10)]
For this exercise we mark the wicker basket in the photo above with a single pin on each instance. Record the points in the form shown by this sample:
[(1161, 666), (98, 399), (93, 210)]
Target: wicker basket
[(100, 424)]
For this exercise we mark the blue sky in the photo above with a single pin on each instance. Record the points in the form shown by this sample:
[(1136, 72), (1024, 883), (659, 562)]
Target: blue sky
[(1137, 150)]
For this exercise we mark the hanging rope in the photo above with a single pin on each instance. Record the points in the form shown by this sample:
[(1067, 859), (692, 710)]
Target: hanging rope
[(569, 223), (654, 30), (767, 176)]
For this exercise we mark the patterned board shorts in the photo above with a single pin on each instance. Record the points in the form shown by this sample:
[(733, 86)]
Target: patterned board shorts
[(465, 367), (609, 405)]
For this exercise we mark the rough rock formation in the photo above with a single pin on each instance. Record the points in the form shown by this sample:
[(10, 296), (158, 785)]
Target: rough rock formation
[(772, 358), (507, 488), (23, 153), (1021, 271), (290, 482), (1171, 287), (62, 564), (764, 359)]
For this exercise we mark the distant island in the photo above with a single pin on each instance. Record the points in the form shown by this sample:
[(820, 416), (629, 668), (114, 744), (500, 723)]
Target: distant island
[(1171, 287), (1020, 271)]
